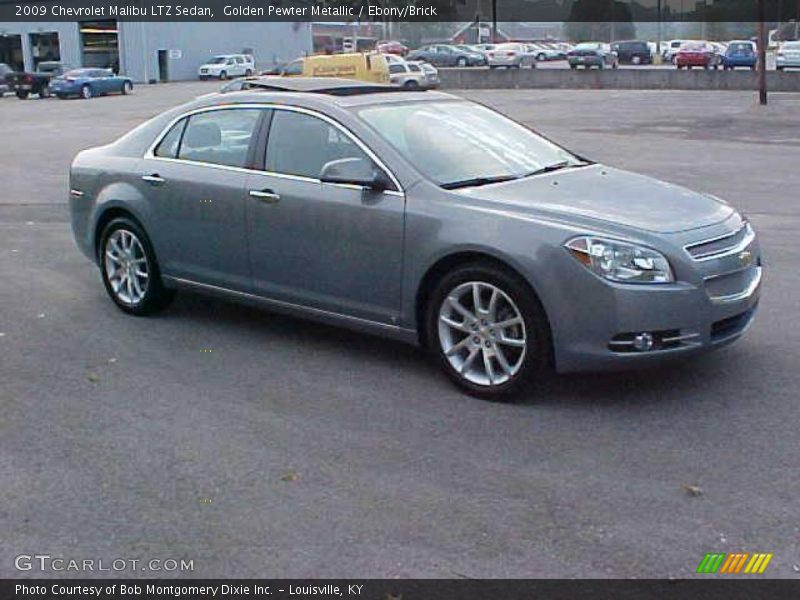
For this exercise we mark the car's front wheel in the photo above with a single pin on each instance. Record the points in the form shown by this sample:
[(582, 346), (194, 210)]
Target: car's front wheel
[(130, 270), (223, 75), (488, 330), (86, 92), (127, 88)]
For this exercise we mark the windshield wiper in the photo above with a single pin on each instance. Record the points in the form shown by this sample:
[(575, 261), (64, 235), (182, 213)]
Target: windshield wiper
[(556, 166), (476, 181)]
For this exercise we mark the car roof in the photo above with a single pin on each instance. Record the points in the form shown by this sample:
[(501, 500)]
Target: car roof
[(319, 92)]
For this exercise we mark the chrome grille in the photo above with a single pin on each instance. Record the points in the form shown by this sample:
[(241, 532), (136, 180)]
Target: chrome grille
[(723, 245)]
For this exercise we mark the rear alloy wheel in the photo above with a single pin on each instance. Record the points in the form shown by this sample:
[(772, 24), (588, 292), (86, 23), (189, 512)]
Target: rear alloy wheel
[(461, 62), (129, 268), (86, 92), (223, 75), (411, 84), (127, 88), (488, 331)]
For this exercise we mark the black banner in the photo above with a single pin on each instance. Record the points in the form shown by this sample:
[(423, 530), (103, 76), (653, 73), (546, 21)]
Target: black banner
[(400, 10), (744, 587)]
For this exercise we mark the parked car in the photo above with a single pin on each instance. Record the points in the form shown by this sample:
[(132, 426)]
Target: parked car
[(445, 55), (24, 84), (633, 52), (6, 80), (432, 220), (698, 54), (363, 66), (391, 47), (407, 75), (224, 66), (671, 48), (511, 56), (788, 56), (483, 48), (592, 54), (740, 53), (88, 83), (543, 52)]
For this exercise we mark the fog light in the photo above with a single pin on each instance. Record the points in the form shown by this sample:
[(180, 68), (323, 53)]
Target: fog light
[(643, 341)]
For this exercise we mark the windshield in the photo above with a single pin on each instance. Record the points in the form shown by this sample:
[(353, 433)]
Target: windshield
[(78, 73), (218, 60), (452, 142)]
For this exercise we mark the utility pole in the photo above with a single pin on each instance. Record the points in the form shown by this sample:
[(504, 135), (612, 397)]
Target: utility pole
[(762, 55)]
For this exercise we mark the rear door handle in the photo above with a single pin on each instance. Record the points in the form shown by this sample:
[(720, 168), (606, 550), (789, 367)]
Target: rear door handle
[(267, 196), (154, 179)]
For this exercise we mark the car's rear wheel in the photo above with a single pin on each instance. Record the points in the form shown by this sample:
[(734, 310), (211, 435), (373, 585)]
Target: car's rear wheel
[(86, 92), (248, 73), (411, 84), (488, 330), (127, 88), (130, 271), (22, 94), (44, 92), (461, 62)]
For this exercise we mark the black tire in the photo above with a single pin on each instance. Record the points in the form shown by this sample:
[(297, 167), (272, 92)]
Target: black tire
[(44, 92), (541, 56), (127, 88), (86, 92), (248, 73), (411, 84), (573, 66), (61, 96), (777, 68), (22, 94), (223, 75), (156, 296), (534, 361)]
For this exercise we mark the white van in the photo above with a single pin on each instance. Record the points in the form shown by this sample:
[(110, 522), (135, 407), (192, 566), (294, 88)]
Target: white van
[(225, 66)]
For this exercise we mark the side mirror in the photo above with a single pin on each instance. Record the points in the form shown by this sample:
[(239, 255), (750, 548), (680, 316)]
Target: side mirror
[(355, 171)]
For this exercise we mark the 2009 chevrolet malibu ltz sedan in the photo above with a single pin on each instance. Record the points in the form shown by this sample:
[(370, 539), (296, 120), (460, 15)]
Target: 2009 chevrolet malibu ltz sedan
[(420, 216)]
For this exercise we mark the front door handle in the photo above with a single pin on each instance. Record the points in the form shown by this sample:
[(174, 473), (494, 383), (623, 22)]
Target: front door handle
[(154, 179), (267, 196)]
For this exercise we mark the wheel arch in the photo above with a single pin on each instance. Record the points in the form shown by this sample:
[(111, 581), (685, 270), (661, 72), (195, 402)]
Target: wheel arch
[(107, 215), (451, 261)]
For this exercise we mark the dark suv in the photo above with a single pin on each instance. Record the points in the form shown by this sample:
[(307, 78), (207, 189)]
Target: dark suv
[(633, 52)]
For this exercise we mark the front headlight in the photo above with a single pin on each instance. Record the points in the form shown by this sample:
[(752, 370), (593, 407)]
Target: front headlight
[(620, 261)]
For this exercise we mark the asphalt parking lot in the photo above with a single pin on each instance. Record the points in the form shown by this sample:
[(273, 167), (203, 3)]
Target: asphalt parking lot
[(260, 446)]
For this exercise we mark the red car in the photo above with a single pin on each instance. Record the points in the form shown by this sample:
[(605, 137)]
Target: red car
[(391, 47), (698, 54)]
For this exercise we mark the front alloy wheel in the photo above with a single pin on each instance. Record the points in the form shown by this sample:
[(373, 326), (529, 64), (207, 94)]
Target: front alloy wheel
[(488, 330)]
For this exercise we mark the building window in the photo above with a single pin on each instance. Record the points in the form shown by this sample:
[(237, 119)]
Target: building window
[(44, 48)]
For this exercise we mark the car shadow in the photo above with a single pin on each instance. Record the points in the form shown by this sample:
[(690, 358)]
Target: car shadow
[(669, 383)]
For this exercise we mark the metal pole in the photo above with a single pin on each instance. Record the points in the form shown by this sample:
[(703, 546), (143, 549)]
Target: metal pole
[(762, 55), (494, 21)]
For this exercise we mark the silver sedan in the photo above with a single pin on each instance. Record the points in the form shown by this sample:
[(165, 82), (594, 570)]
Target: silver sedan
[(419, 216)]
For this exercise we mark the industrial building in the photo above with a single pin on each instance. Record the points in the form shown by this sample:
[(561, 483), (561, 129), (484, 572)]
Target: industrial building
[(150, 51)]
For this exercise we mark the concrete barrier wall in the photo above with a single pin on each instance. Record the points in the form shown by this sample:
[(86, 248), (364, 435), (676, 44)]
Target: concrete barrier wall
[(615, 79)]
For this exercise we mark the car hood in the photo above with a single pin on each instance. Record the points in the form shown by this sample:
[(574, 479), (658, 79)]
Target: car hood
[(611, 195)]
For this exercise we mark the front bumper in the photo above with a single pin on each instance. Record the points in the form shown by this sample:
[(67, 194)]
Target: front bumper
[(710, 308)]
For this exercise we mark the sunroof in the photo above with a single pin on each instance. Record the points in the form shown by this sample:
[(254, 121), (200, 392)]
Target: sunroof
[(319, 85)]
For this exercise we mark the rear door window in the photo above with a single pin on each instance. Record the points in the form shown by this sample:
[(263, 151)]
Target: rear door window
[(220, 137)]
